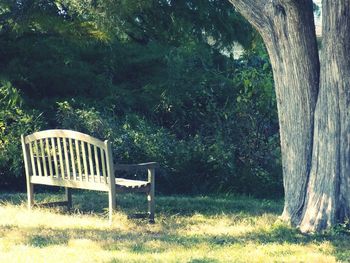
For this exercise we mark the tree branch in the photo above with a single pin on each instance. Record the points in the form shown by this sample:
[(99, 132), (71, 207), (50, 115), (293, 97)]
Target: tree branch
[(253, 11), (261, 13)]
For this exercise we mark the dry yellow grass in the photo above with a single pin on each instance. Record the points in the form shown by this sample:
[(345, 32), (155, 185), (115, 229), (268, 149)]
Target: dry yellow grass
[(188, 229)]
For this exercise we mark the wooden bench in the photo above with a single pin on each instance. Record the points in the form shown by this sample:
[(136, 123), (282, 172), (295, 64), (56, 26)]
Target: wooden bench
[(72, 159)]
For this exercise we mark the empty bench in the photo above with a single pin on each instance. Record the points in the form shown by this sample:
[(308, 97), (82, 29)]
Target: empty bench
[(72, 159)]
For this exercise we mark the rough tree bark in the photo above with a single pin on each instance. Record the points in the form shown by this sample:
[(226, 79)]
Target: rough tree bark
[(328, 196), (313, 103)]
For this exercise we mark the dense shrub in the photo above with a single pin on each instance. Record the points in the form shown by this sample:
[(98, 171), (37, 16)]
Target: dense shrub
[(210, 131), (196, 164), (14, 121), (158, 90)]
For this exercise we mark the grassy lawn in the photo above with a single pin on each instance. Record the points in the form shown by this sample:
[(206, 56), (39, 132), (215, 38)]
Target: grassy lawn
[(187, 229)]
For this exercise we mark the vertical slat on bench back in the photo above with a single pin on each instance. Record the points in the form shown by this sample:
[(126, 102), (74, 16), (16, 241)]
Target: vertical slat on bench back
[(86, 172), (37, 157), (66, 158), (42, 156), (71, 150), (31, 152), (54, 153), (103, 161), (49, 152), (97, 162), (60, 157), (91, 163), (67, 155), (77, 150)]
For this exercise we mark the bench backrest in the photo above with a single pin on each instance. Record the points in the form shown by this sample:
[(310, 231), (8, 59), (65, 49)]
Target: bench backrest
[(67, 155)]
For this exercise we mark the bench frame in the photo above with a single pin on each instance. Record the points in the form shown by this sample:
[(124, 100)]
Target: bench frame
[(72, 159)]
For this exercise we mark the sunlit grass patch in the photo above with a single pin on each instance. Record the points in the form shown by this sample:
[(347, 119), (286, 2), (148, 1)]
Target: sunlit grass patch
[(187, 229)]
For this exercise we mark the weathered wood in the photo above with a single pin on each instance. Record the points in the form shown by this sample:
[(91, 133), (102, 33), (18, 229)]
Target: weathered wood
[(37, 157), (28, 171), (59, 181), (68, 193), (60, 157), (98, 172), (71, 150), (49, 156), (32, 168), (111, 179), (133, 167), (85, 167), (103, 165), (130, 183), (55, 156), (91, 165), (95, 168), (66, 158), (64, 134), (150, 195), (42, 150), (148, 187), (78, 160)]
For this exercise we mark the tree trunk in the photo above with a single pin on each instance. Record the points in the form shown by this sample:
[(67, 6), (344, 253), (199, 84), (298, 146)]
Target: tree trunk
[(328, 194), (314, 124), (290, 38)]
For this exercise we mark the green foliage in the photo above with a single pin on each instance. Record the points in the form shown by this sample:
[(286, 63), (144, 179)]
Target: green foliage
[(14, 121), (152, 77), (167, 21), (204, 162)]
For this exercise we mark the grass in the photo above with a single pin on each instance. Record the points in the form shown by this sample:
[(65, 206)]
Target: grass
[(187, 229)]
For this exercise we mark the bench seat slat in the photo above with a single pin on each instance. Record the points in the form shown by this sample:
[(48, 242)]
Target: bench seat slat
[(133, 167), (130, 183), (59, 181)]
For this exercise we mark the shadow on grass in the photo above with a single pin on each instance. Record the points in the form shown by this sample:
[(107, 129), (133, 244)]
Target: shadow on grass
[(143, 243), (97, 202), (138, 241), (174, 216)]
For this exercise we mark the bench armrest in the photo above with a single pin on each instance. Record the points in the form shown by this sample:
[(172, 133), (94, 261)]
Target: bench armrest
[(133, 167)]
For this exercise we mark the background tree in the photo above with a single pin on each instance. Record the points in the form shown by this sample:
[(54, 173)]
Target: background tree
[(165, 89), (313, 105)]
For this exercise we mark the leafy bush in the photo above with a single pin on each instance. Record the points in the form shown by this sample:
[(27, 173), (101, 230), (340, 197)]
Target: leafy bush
[(14, 121), (158, 91), (197, 164)]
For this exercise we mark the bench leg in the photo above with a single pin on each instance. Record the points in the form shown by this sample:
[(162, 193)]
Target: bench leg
[(30, 194), (150, 195), (150, 199), (69, 197), (111, 204)]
